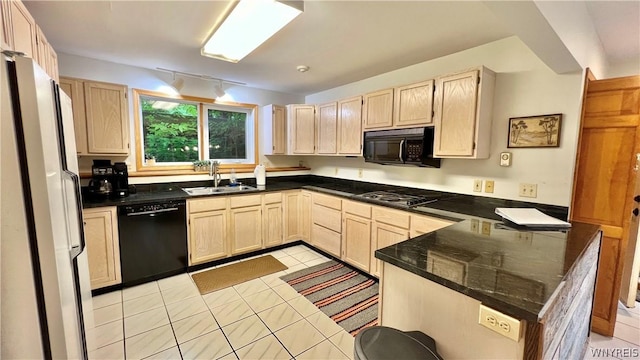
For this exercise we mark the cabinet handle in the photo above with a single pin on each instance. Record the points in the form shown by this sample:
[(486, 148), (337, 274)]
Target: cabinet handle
[(635, 212), (636, 198)]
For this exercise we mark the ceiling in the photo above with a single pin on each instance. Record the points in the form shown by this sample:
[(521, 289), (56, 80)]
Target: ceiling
[(341, 41)]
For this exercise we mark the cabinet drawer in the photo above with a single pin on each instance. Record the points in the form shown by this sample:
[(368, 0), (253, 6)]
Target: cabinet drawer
[(326, 239), (242, 201), (425, 224), (329, 218), (328, 201), (271, 198), (391, 217), (356, 208), (207, 204)]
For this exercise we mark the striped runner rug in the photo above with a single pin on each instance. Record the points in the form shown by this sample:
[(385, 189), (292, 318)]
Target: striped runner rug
[(345, 295)]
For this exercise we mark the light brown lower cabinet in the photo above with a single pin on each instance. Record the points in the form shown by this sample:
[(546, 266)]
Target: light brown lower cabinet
[(356, 241), (305, 216), (383, 235), (207, 236), (103, 246), (272, 223), (291, 206), (246, 229)]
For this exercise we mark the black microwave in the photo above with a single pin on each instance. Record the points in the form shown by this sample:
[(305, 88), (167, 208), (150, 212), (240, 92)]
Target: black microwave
[(413, 146)]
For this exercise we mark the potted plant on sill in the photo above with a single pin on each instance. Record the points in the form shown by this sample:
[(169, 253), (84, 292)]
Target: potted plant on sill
[(149, 159), (201, 165)]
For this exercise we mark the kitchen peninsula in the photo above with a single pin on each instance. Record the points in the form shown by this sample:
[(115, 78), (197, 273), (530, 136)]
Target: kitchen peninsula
[(543, 281)]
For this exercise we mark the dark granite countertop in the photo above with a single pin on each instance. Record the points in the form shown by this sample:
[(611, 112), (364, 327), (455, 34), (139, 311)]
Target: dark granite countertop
[(513, 271), (449, 206)]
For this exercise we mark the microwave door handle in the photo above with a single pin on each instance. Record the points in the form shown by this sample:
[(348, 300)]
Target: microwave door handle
[(401, 155)]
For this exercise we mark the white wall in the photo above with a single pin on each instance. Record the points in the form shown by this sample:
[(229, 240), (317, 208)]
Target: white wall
[(524, 86), (629, 68), (140, 78)]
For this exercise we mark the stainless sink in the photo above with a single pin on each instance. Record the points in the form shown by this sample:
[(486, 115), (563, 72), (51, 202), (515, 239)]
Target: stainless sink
[(219, 190)]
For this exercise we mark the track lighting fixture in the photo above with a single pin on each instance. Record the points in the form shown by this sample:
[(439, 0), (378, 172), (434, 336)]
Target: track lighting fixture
[(178, 83)]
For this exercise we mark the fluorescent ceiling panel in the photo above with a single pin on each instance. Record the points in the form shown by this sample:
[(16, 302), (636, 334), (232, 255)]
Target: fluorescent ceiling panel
[(248, 25)]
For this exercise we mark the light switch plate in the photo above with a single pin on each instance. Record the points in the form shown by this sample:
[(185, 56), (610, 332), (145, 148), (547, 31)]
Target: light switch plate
[(505, 159)]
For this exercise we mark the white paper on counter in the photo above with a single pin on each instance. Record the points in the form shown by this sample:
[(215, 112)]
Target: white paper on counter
[(530, 217)]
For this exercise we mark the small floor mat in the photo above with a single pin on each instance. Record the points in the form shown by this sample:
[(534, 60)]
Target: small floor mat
[(229, 275)]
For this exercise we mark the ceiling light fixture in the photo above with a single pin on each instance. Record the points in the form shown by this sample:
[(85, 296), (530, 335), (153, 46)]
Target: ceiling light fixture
[(218, 90), (178, 83), (250, 23), (199, 76), (302, 68)]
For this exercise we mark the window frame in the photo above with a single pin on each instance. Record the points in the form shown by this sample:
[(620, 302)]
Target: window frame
[(186, 169)]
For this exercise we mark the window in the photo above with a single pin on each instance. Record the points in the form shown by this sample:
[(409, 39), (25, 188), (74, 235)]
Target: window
[(174, 132)]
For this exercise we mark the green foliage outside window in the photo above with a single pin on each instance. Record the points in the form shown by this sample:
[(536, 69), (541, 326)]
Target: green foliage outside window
[(227, 138), (170, 133)]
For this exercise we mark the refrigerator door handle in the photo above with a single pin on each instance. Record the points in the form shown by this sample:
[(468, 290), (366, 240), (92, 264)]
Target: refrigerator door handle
[(76, 249)]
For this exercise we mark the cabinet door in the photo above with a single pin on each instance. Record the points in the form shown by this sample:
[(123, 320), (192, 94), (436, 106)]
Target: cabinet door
[(6, 37), (53, 64), (74, 89), (42, 57), (384, 235), (305, 216), (350, 126), (455, 114), (246, 229), (103, 246), (356, 241), (302, 131), (413, 104), (272, 224), (327, 128), (23, 28), (107, 118), (292, 217), (279, 130), (377, 109), (208, 238)]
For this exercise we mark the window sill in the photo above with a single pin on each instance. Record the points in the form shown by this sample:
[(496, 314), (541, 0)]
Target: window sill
[(175, 172)]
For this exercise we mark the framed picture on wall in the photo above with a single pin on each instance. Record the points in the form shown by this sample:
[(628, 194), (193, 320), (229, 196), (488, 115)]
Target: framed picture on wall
[(534, 131)]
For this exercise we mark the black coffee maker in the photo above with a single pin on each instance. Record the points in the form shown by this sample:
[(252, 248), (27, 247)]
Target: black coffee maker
[(101, 184), (120, 180)]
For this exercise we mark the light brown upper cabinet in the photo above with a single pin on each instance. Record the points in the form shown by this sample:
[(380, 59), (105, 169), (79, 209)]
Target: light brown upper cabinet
[(100, 115), (350, 126), (6, 37), (23, 29), (463, 105), (413, 105), (274, 130), (327, 128), (301, 129), (377, 109)]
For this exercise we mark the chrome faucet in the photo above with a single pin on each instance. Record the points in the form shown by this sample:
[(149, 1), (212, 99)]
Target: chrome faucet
[(213, 171)]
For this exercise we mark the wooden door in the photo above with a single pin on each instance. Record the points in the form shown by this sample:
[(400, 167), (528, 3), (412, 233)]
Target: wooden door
[(103, 246), (279, 130), (208, 238), (356, 241), (305, 216), (302, 128), (455, 106), (6, 37), (246, 229), (24, 31), (413, 105), (383, 235), (272, 224), (107, 118), (292, 216), (327, 128), (604, 183), (350, 126), (74, 89), (377, 109)]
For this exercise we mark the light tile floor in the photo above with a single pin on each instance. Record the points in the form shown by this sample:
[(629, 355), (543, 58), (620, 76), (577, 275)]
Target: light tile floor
[(625, 342), (259, 319)]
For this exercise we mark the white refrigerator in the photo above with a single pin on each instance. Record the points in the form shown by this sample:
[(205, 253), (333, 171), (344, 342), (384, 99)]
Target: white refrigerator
[(45, 297)]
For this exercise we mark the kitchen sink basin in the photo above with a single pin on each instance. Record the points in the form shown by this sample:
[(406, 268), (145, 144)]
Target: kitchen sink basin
[(219, 190)]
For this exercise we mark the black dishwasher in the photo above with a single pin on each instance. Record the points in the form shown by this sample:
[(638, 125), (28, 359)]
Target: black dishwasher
[(153, 240)]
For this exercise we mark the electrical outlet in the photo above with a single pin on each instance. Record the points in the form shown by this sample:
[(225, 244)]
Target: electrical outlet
[(488, 186), (524, 236), (502, 324), (528, 190), (475, 226), (360, 173), (477, 185), (486, 228)]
